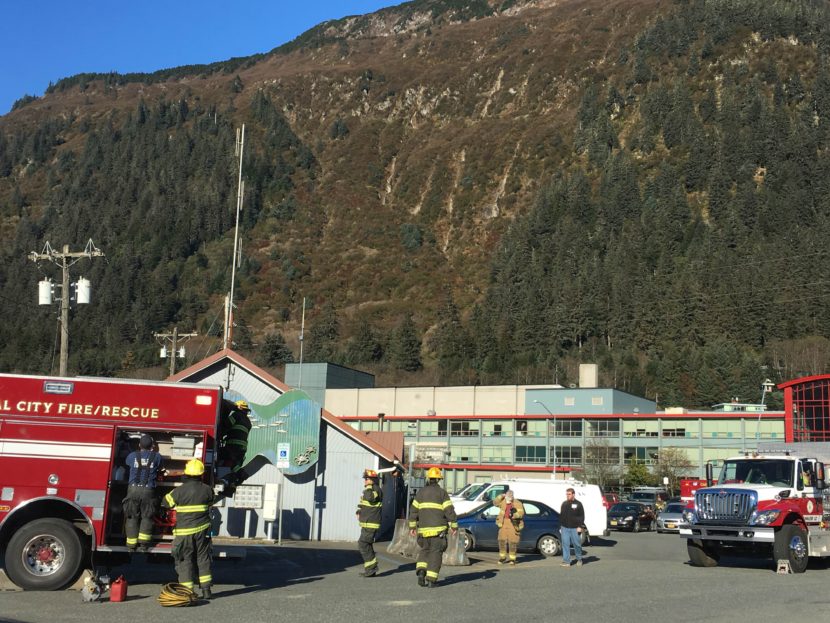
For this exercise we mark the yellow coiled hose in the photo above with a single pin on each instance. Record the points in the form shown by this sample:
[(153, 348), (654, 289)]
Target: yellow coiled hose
[(175, 594)]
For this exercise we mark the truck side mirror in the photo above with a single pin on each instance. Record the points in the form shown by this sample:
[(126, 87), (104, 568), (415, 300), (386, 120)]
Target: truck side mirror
[(819, 473), (709, 474)]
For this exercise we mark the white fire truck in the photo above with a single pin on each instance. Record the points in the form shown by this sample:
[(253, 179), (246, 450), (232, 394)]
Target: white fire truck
[(776, 505), (63, 445)]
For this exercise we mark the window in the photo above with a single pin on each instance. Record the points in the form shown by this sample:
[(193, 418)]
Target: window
[(537, 428), (602, 455), (464, 428), (409, 429), (597, 400), (463, 454), (570, 401), (602, 428), (566, 428), (521, 427), (645, 455), (433, 428), (531, 454), (566, 455), (674, 432), (531, 510), (497, 428), (497, 454)]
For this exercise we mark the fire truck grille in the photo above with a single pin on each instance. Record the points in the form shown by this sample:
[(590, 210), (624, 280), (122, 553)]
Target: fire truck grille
[(724, 506)]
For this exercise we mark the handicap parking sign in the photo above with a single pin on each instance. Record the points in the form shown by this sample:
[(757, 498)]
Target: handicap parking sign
[(283, 455)]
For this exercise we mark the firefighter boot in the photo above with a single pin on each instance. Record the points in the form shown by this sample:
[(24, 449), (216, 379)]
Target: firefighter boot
[(422, 577), (206, 594), (369, 573)]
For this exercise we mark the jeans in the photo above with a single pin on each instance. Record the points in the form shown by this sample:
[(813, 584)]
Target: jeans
[(570, 537)]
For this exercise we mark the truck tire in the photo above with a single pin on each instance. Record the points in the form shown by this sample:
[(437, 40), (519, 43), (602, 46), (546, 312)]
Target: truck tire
[(701, 556), (791, 545), (44, 555)]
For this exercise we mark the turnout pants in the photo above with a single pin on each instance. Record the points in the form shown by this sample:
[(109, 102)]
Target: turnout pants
[(140, 506), (509, 539), (429, 558), (192, 553), (365, 544)]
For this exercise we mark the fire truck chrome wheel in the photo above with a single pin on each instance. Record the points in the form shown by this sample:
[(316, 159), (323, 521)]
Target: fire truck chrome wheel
[(798, 548), (43, 555), (791, 545)]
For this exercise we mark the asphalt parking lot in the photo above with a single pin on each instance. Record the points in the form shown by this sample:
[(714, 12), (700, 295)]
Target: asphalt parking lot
[(626, 577)]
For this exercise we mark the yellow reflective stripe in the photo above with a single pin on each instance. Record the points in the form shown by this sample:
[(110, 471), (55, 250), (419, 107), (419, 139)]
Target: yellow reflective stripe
[(413, 524), (420, 565), (371, 563), (187, 584), (144, 537), (205, 579), (193, 508), (446, 504), (187, 531), (432, 531), (416, 504), (432, 575), (438, 507), (371, 504), (453, 524), (373, 526), (169, 499), (132, 541)]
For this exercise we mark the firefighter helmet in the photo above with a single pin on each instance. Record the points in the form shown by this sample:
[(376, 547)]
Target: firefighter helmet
[(194, 467), (434, 472), (370, 473), (242, 405)]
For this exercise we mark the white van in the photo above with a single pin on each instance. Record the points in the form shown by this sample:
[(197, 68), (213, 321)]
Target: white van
[(550, 492)]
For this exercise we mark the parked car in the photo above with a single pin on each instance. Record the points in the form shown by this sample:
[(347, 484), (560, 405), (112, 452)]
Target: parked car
[(656, 498), (633, 516), (541, 532), (470, 491), (549, 492), (609, 499), (668, 519)]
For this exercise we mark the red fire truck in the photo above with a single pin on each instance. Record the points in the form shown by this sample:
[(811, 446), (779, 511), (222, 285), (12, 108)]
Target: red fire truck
[(769, 504), (63, 445)]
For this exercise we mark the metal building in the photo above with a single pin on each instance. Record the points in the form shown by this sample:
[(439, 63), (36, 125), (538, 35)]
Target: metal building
[(320, 503)]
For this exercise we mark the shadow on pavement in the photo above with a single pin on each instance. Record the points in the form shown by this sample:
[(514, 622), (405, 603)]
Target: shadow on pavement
[(460, 578)]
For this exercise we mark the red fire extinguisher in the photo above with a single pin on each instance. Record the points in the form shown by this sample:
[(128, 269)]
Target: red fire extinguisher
[(118, 589)]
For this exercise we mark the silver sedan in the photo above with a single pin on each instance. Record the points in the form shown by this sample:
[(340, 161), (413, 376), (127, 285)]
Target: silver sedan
[(668, 520)]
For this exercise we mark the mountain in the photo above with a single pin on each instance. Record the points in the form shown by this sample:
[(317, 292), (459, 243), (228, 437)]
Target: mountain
[(463, 190)]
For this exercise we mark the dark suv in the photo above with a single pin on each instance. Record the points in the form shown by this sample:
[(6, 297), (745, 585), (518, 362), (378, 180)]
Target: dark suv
[(656, 499)]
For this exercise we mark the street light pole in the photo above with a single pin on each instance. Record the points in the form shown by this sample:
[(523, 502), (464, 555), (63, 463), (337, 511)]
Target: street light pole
[(766, 387), (553, 437)]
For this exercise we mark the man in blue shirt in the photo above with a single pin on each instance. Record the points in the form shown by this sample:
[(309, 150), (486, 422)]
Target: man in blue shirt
[(140, 504)]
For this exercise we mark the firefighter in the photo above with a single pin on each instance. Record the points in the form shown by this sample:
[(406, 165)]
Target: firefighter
[(191, 535), (511, 523), (431, 514), (234, 428), (140, 504), (368, 515)]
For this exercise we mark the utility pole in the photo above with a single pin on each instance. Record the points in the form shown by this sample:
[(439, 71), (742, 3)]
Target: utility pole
[(175, 350), (65, 259), (240, 194)]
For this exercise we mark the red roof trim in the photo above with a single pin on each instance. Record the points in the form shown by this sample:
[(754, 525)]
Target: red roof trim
[(495, 467), (571, 416), (329, 418), (804, 379)]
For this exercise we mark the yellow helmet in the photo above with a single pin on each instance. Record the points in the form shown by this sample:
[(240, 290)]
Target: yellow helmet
[(194, 467), (242, 405), (434, 472), (370, 473)]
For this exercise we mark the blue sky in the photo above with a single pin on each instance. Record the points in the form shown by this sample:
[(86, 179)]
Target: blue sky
[(46, 40)]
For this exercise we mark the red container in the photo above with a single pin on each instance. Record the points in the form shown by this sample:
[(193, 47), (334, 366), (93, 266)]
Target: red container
[(118, 589)]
